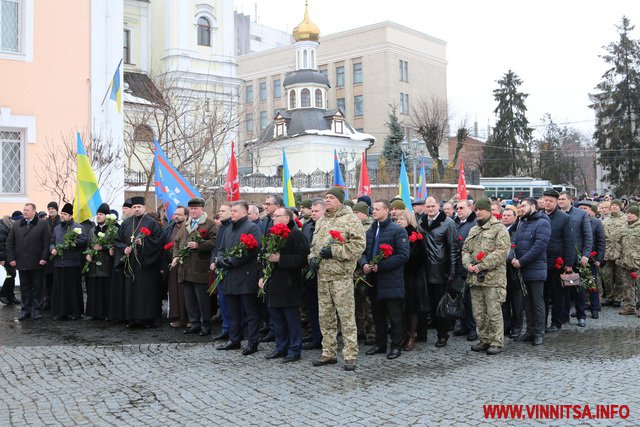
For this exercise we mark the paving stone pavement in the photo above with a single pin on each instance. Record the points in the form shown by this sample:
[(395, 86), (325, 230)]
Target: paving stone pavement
[(95, 373)]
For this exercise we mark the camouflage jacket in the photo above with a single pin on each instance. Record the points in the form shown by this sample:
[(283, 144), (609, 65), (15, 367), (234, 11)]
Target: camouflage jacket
[(344, 255), (366, 223), (492, 238), (631, 246), (614, 227)]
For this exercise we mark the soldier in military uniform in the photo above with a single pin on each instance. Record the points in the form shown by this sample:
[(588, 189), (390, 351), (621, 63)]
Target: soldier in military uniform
[(334, 264), (364, 316), (615, 225), (487, 276), (630, 247)]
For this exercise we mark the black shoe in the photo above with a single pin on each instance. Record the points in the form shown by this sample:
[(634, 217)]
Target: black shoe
[(250, 350), (595, 314), (37, 316), (192, 330), (5, 301), (441, 342), (204, 332), (553, 328), (460, 332), (376, 350), (307, 338), (289, 359), (14, 300), (473, 336), (230, 345), (311, 346), (525, 337), (268, 338), (573, 314), (616, 304), (538, 341), (275, 355), (24, 316), (394, 353), (607, 303), (222, 337), (515, 334)]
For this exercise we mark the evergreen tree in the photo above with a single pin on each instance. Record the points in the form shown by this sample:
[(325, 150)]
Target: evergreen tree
[(510, 152), (617, 107), (392, 150)]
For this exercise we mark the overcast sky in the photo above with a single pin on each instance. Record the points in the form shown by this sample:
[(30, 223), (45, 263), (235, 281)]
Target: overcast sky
[(552, 45)]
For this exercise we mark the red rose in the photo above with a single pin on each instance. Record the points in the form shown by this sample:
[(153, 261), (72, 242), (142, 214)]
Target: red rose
[(558, 266), (249, 241), (203, 233), (298, 222), (593, 254), (419, 236), (280, 230), (634, 275), (387, 250), (480, 256), (168, 246), (335, 235), (145, 231), (412, 237), (513, 246), (460, 238), (559, 261)]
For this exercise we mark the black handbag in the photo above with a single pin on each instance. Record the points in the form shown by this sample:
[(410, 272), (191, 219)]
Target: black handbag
[(450, 307)]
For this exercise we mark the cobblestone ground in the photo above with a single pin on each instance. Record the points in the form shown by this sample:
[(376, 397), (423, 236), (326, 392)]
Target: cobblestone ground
[(94, 373)]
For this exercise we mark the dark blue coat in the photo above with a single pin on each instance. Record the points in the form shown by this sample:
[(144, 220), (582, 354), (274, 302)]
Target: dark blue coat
[(389, 280), (597, 231), (242, 278), (531, 240), (70, 257), (222, 229), (581, 231), (465, 227), (563, 240)]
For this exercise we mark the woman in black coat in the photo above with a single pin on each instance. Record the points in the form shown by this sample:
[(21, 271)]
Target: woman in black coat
[(416, 297), (284, 289)]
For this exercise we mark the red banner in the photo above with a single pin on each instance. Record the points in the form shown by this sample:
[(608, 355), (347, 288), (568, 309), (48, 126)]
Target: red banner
[(232, 184), (462, 184), (364, 187)]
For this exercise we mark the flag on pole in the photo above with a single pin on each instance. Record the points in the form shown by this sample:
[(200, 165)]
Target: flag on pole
[(88, 199), (337, 175), (364, 187), (404, 191), (232, 184), (421, 194), (287, 188), (172, 188), (116, 88), (462, 184)]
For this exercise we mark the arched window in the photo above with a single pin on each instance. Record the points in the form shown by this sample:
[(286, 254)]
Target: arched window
[(313, 59), (318, 98), (292, 99), (305, 98), (305, 59), (204, 32)]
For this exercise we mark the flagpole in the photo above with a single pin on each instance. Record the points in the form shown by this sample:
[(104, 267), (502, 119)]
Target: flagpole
[(104, 98)]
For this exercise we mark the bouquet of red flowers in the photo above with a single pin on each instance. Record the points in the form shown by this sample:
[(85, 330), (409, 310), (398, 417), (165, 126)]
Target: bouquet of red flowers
[(247, 243), (273, 243), (384, 252), (137, 241), (415, 236), (169, 246), (559, 263), (336, 237), (478, 259), (185, 251)]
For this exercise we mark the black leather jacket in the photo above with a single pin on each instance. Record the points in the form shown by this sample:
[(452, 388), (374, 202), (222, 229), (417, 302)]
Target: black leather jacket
[(442, 248)]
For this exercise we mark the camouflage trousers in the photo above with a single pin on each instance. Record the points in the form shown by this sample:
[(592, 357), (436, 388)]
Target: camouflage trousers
[(630, 291), (612, 274), (486, 303), (336, 295), (364, 315)]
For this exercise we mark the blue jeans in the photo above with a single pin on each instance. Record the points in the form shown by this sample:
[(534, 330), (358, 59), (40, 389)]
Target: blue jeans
[(287, 327)]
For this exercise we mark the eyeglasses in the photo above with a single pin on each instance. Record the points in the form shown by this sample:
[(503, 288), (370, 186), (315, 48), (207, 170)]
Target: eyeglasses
[(459, 209), (280, 216)]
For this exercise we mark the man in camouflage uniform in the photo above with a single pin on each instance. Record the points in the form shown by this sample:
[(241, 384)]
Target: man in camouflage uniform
[(615, 225), (630, 260), (364, 315), (334, 263), (487, 276)]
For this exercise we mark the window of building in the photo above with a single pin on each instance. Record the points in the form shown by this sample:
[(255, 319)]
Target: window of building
[(263, 91), (204, 32), (277, 88), (305, 59), (263, 119), (280, 128), (318, 98), (10, 25), (339, 76), (12, 162), (324, 72), (249, 93), (404, 71), (126, 46), (338, 125), (305, 98), (358, 107), (357, 73), (292, 99), (404, 103), (341, 104), (249, 122)]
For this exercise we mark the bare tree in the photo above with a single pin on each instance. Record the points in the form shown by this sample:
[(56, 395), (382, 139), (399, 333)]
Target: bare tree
[(461, 136), (429, 118)]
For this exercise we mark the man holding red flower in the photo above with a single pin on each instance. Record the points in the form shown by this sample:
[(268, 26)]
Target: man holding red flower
[(383, 261)]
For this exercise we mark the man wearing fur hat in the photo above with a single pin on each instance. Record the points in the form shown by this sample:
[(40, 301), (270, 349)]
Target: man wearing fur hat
[(198, 235)]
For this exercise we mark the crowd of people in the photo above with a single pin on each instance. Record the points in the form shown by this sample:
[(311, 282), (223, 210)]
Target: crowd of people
[(357, 270)]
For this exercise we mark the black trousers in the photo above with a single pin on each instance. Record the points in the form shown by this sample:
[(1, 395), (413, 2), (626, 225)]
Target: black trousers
[(554, 295), (534, 307), (198, 304), (287, 328), (390, 309), (48, 288), (31, 291), (513, 307), (311, 299), (9, 285), (235, 304), (436, 292)]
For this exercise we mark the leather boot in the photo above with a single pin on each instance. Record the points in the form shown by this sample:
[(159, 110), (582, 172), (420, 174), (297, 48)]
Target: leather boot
[(410, 342)]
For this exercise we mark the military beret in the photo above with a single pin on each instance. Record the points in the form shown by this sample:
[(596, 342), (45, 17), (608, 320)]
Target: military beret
[(361, 207), (336, 192), (398, 204)]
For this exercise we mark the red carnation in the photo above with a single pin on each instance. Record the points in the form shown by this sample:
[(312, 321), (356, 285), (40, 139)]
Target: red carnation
[(412, 237), (249, 241), (593, 254), (145, 231), (298, 222), (419, 236), (480, 256), (387, 250), (634, 275), (335, 235), (168, 246), (280, 230), (559, 261), (513, 246), (203, 233)]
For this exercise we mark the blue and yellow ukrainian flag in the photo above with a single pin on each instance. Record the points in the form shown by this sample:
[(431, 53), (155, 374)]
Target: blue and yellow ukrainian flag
[(116, 88), (287, 188), (87, 200), (405, 194)]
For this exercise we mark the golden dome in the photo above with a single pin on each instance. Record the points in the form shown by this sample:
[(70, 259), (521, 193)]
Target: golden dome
[(306, 30)]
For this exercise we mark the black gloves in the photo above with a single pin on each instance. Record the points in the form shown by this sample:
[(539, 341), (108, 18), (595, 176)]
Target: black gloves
[(225, 263), (314, 264), (326, 252)]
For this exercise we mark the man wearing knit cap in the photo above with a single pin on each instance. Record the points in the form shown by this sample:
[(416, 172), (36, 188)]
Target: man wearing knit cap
[(53, 220), (364, 315), (98, 276), (630, 244), (305, 210), (397, 206), (334, 262), (615, 225)]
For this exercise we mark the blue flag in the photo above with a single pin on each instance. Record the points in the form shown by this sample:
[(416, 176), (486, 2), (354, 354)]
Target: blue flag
[(421, 193), (337, 176), (287, 188), (405, 194), (171, 187)]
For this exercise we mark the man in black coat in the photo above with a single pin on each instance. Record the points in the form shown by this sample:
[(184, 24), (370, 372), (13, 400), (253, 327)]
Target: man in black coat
[(513, 307), (386, 277), (597, 260), (53, 219), (285, 289), (318, 208), (7, 293), (224, 214), (442, 257), (240, 284), (465, 220), (28, 252)]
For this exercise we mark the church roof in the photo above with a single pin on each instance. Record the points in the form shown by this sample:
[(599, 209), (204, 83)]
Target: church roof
[(306, 76)]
